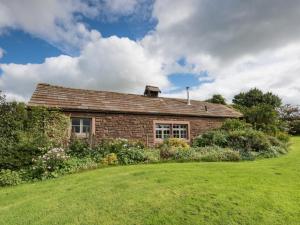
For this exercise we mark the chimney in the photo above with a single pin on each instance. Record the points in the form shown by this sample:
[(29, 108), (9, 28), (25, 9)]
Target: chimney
[(151, 91), (188, 95)]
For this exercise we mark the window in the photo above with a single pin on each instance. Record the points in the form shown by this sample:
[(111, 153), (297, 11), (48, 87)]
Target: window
[(180, 131), (162, 131), (81, 126), (166, 130)]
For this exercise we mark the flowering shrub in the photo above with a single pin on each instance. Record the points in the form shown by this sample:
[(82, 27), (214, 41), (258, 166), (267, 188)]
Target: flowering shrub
[(49, 164), (130, 156), (54, 158), (75, 164), (110, 159), (217, 154), (175, 143)]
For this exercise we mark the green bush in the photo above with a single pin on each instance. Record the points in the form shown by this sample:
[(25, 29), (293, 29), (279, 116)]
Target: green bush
[(50, 164), (239, 136), (174, 143), (295, 127), (131, 156), (9, 178), (216, 154), (272, 152), (74, 164), (110, 159), (174, 149), (79, 148), (18, 156), (184, 155), (210, 138), (283, 137), (235, 124), (151, 155), (166, 152), (116, 145), (26, 133), (248, 140)]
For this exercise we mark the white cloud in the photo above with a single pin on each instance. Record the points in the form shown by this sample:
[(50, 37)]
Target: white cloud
[(277, 71), (117, 7), (226, 29), (106, 63), (241, 44), (2, 52), (52, 20)]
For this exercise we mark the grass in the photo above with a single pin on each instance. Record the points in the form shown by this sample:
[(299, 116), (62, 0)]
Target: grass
[(260, 192)]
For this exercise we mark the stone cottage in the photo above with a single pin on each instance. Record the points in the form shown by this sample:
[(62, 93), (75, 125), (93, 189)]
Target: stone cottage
[(147, 118)]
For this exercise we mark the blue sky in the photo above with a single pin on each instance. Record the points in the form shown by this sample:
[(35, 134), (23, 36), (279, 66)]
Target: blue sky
[(23, 48), (124, 45)]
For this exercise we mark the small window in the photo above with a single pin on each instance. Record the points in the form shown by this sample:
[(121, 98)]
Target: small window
[(81, 126)]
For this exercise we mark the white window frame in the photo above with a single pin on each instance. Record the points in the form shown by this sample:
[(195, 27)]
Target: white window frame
[(183, 128), (81, 133), (171, 124), (162, 129)]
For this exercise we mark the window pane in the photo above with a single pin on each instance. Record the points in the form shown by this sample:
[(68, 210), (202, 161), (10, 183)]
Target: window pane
[(86, 129), (86, 122), (158, 134), (162, 131), (75, 121), (81, 125), (76, 129)]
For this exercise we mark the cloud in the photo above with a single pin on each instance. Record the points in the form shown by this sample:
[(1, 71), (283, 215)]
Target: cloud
[(277, 71), (2, 52), (112, 63), (239, 44), (227, 29), (51, 20), (60, 22)]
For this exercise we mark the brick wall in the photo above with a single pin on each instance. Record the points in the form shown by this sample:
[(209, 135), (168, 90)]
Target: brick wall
[(140, 127)]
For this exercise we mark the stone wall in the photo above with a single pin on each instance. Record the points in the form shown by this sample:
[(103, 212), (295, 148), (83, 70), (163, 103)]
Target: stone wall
[(141, 127)]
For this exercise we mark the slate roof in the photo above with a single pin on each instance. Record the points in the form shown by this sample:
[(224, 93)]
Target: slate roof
[(72, 99)]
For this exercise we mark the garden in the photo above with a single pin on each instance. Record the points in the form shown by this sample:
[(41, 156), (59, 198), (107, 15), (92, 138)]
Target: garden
[(35, 144)]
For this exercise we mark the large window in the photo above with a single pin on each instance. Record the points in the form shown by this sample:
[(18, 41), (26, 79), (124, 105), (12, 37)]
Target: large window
[(81, 126), (172, 129)]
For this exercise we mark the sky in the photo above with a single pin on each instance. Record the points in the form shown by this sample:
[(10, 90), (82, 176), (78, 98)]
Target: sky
[(214, 47)]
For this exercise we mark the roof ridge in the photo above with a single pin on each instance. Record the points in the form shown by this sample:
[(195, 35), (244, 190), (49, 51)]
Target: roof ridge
[(121, 93), (72, 98)]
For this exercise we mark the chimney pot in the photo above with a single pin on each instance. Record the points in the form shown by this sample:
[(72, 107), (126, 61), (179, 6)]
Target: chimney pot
[(188, 95)]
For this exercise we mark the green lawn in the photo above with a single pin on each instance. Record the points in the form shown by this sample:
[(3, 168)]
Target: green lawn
[(260, 192)]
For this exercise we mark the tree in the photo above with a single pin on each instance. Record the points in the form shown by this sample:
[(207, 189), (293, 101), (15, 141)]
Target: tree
[(256, 97), (264, 117), (291, 115), (289, 112), (217, 99), (261, 110), (26, 134), (294, 127)]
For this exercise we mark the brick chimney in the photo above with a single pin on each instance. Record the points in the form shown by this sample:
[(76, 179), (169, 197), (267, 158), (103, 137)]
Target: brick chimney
[(151, 91)]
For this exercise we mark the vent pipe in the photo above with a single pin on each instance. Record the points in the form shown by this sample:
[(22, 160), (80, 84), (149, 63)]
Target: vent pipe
[(188, 95)]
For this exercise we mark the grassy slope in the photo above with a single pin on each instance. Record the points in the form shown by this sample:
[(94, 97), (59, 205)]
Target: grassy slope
[(260, 192)]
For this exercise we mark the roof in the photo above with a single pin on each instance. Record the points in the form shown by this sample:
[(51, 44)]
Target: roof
[(72, 99)]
